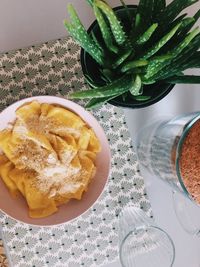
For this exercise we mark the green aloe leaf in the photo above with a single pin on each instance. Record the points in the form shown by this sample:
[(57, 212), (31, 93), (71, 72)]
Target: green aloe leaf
[(197, 15), (178, 67), (187, 79), (179, 48), (122, 58), (177, 20), (105, 30), (97, 102), (127, 11), (115, 24), (168, 27), (90, 2), (108, 74), (137, 21), (173, 10), (147, 35), (179, 62), (148, 81), (74, 17), (142, 97), (186, 26), (134, 64), (194, 62), (117, 87), (135, 89), (145, 9), (79, 33), (96, 41), (161, 43), (159, 6), (135, 29), (188, 23), (90, 81), (156, 64)]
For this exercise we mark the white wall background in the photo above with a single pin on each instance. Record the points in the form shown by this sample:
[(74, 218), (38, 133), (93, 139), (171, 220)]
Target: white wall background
[(27, 22)]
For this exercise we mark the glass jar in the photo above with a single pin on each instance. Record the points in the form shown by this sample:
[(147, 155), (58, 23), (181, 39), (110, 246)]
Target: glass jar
[(159, 147)]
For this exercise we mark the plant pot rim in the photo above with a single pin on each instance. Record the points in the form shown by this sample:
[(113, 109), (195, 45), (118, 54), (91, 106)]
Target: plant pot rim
[(84, 57)]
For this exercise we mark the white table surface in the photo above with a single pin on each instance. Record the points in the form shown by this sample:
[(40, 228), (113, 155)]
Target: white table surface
[(26, 22)]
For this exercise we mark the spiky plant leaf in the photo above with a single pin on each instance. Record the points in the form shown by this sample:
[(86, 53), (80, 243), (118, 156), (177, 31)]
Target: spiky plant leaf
[(177, 20), (142, 98), (90, 2), (145, 9), (127, 11), (96, 41), (188, 23), (178, 63), (135, 31), (186, 26), (78, 32), (173, 10), (159, 47), (147, 34), (105, 30), (194, 62), (117, 87), (96, 102), (156, 64), (133, 64), (197, 15), (177, 67), (115, 24), (121, 58), (161, 43), (137, 85), (159, 6), (187, 79), (108, 74), (170, 26), (178, 49), (89, 80), (137, 21)]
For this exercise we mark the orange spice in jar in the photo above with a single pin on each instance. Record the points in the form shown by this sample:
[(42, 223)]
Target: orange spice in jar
[(189, 161)]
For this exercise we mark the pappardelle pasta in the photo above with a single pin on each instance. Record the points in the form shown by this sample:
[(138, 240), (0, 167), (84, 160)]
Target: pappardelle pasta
[(48, 156)]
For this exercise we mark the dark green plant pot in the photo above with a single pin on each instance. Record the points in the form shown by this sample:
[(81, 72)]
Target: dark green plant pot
[(91, 68)]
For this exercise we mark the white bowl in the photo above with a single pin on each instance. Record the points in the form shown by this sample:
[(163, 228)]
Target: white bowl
[(18, 209)]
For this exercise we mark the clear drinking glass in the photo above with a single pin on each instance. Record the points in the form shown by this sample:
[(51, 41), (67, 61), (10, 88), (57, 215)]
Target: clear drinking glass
[(159, 147), (187, 213), (141, 242)]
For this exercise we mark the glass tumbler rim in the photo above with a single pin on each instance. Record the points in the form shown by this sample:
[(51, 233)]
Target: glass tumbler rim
[(183, 136), (145, 227)]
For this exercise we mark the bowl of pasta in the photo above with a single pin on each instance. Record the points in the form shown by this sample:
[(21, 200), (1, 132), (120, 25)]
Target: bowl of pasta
[(54, 160)]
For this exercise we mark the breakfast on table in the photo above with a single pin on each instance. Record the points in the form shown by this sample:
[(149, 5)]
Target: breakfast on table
[(48, 155), (56, 158)]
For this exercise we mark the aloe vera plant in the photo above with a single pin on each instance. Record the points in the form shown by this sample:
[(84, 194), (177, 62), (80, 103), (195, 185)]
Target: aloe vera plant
[(157, 48)]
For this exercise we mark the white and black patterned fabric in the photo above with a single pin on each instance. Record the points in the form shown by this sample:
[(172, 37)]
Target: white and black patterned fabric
[(54, 68)]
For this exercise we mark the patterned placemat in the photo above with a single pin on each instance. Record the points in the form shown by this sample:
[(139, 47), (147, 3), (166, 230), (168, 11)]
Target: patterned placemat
[(53, 68)]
